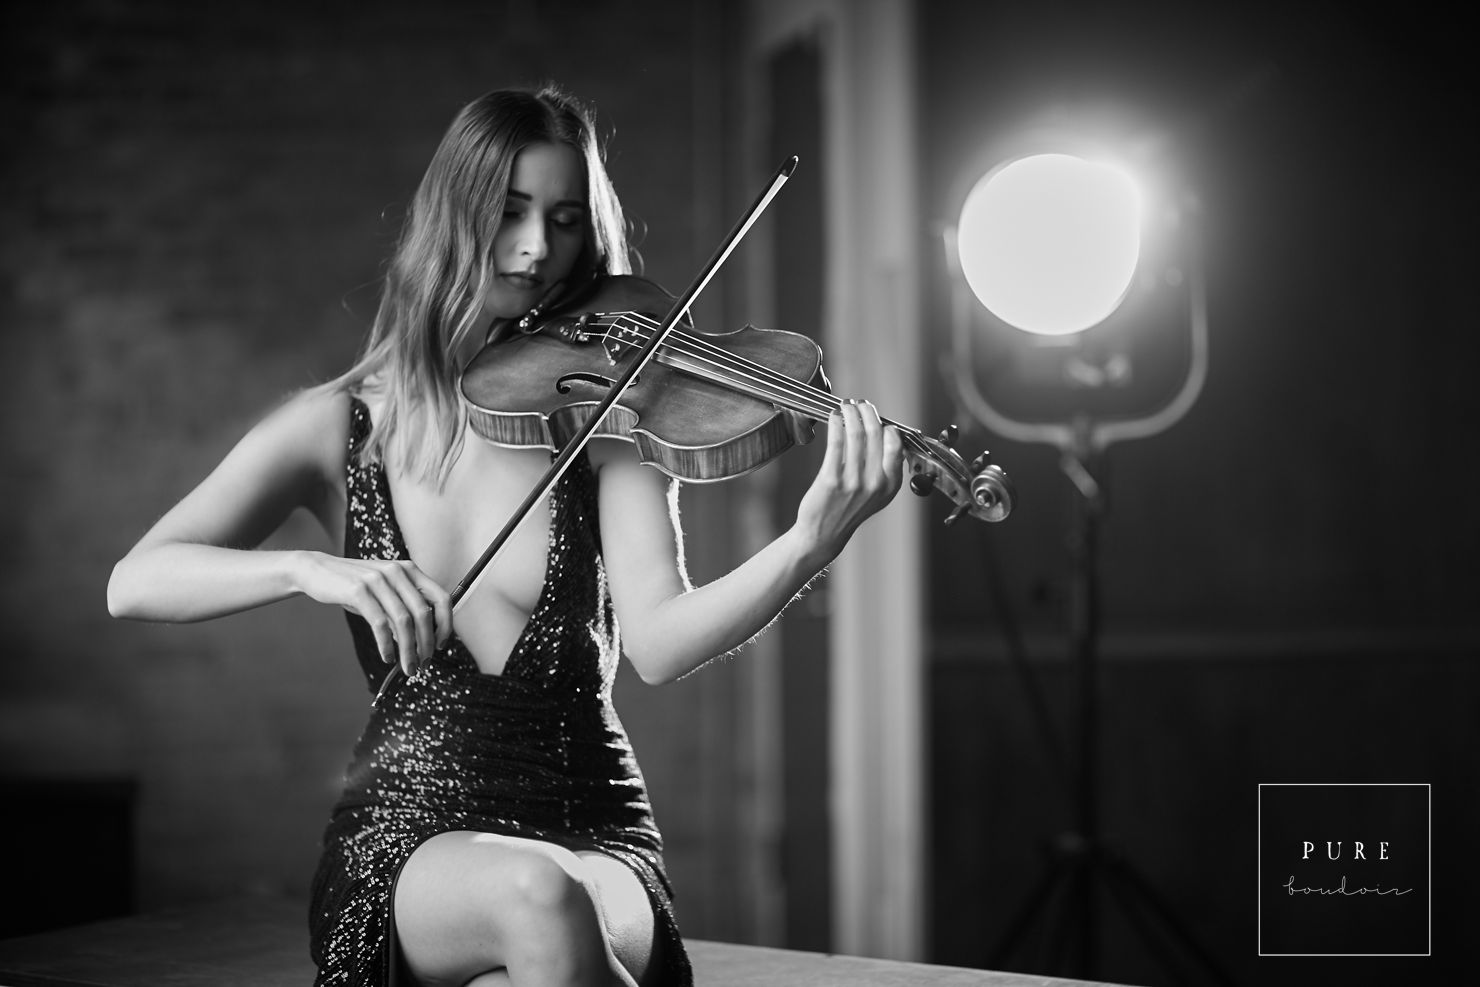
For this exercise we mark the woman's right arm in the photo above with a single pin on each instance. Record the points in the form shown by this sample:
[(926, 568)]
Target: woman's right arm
[(201, 559)]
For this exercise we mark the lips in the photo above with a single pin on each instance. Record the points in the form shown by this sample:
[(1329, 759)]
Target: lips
[(524, 281)]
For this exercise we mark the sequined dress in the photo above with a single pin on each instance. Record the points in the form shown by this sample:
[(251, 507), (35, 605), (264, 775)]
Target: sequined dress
[(537, 751)]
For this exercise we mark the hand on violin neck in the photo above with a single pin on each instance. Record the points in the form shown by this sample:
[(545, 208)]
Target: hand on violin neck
[(861, 471)]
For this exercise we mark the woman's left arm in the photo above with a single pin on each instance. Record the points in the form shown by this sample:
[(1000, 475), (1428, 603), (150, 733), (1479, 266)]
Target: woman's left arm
[(669, 628)]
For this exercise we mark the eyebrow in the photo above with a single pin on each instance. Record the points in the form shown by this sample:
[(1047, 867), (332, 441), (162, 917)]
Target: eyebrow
[(563, 203)]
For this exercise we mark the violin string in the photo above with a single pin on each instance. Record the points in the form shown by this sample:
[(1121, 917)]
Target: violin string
[(788, 387), (798, 392), (810, 399)]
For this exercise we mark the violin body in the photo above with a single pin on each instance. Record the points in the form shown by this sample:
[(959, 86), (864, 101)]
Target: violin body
[(539, 385)]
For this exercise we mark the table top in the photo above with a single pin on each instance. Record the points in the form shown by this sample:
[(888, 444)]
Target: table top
[(263, 942)]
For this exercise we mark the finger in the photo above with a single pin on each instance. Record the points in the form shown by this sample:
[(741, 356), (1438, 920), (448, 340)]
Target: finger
[(855, 447), (366, 604), (440, 601), (893, 459), (832, 457), (418, 623), (396, 616), (873, 440)]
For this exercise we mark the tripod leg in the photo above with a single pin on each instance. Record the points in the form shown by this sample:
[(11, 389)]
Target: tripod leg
[(1126, 883), (1057, 873), (1142, 918), (1075, 915)]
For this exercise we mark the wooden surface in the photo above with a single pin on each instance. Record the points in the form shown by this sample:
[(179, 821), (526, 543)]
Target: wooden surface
[(264, 943)]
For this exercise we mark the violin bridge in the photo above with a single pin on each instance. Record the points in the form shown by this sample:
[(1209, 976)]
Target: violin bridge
[(621, 336)]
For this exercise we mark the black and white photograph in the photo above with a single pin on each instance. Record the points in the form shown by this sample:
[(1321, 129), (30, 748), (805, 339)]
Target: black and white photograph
[(656, 493)]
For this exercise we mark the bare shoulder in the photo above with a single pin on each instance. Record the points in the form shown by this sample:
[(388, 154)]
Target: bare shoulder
[(313, 425), (304, 448), (316, 406)]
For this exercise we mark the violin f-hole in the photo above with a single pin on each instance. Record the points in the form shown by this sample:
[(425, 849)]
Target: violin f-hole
[(562, 385)]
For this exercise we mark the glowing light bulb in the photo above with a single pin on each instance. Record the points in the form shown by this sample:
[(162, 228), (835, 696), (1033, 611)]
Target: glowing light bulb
[(1049, 243)]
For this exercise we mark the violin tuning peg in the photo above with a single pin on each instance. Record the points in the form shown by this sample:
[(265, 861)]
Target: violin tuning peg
[(981, 461), (956, 515), (948, 435), (921, 484)]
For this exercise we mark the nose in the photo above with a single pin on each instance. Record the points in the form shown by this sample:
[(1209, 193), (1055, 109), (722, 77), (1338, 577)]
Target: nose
[(531, 241)]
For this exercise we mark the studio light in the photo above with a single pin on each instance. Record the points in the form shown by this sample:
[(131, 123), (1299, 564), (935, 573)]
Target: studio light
[(1078, 317), (1105, 283)]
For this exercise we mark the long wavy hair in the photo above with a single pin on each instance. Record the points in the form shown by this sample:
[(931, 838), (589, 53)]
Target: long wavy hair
[(432, 299)]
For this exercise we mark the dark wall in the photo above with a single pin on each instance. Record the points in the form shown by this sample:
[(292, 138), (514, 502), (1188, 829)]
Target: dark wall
[(1287, 574), (198, 201)]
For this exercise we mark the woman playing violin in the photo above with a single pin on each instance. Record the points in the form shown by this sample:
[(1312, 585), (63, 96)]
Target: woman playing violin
[(494, 826)]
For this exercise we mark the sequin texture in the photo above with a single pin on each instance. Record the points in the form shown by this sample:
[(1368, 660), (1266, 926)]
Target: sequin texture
[(537, 751)]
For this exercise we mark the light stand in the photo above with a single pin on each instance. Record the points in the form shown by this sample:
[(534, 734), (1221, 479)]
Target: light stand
[(1081, 861)]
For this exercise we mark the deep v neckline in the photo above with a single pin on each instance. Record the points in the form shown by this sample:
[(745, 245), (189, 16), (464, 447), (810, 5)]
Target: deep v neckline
[(455, 645)]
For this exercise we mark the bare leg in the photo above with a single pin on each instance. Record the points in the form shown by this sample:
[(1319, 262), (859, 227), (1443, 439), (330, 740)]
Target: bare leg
[(626, 912), (468, 904)]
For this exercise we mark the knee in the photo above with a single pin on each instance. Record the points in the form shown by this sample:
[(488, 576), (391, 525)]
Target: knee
[(547, 887), (469, 904), (549, 917)]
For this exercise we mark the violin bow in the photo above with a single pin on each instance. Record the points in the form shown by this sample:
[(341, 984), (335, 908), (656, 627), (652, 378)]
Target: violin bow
[(573, 448)]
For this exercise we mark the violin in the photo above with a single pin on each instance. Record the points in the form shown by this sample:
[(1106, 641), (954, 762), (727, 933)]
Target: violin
[(706, 407)]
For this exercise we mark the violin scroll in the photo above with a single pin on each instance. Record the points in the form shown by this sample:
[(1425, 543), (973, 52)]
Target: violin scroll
[(982, 489), (992, 494)]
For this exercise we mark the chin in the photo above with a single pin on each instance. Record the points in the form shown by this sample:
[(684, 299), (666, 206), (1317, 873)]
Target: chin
[(508, 308)]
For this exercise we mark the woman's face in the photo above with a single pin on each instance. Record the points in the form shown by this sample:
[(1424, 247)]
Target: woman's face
[(542, 231)]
